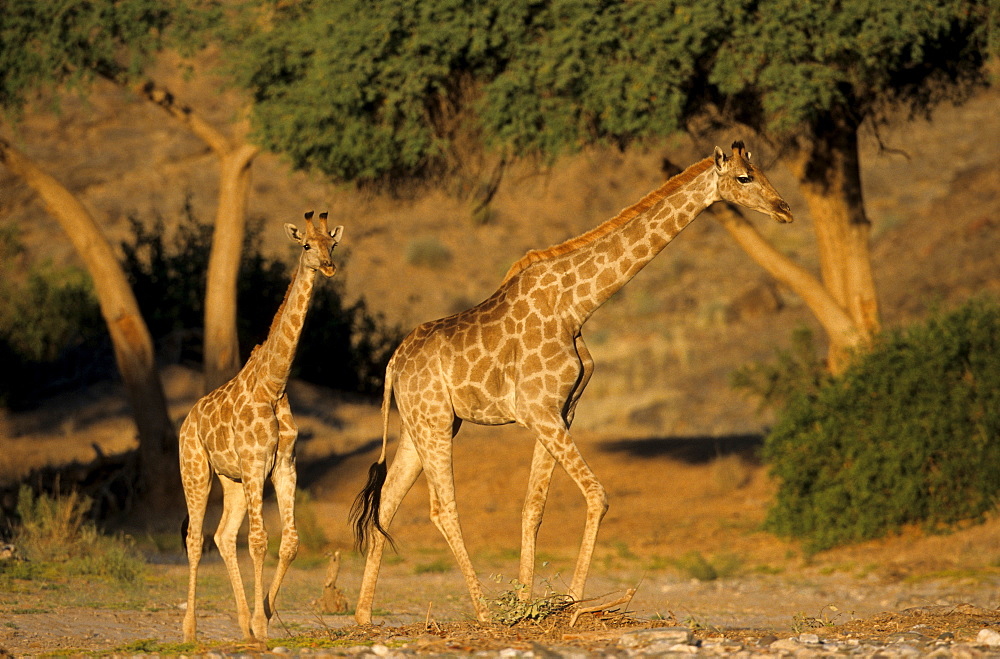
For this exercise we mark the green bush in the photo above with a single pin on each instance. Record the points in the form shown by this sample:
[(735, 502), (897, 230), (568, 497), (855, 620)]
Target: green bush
[(54, 532), (909, 434), (52, 336)]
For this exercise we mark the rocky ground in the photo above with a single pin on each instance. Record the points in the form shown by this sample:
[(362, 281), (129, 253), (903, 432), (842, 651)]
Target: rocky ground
[(683, 531)]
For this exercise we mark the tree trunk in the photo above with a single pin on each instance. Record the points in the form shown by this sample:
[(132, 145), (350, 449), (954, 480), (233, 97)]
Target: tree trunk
[(159, 475), (840, 329), (222, 348), (222, 351), (830, 179)]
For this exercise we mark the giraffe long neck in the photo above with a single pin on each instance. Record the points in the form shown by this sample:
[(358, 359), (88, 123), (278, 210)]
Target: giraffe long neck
[(278, 350), (596, 265)]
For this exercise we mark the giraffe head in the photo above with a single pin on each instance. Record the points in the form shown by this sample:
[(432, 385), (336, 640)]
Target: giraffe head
[(740, 182), (317, 243)]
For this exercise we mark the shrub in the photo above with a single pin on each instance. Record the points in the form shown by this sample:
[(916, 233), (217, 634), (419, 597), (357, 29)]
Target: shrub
[(55, 531), (52, 336), (910, 433)]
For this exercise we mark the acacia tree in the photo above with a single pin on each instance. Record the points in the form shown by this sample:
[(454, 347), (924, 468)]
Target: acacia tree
[(369, 92), (70, 44)]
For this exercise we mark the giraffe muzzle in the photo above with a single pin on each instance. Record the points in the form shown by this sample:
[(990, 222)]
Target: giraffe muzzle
[(782, 213)]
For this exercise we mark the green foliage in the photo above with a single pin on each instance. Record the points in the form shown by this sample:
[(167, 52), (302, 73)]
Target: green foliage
[(910, 433), (795, 65), (375, 91), (342, 346), (50, 528), (70, 42), (54, 531), (51, 331), (437, 566), (370, 83)]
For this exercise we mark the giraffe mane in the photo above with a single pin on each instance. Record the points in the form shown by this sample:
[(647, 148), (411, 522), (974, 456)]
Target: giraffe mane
[(625, 216)]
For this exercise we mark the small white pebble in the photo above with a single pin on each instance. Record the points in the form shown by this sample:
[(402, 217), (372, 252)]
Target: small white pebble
[(988, 637)]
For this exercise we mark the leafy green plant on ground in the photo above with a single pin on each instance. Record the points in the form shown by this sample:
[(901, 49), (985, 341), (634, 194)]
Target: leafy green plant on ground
[(909, 434), (509, 608), (56, 539)]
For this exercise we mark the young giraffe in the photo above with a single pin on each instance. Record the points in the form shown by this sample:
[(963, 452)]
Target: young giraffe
[(244, 432), (519, 357)]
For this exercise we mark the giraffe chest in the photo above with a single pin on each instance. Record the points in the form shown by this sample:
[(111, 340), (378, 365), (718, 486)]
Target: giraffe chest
[(240, 437)]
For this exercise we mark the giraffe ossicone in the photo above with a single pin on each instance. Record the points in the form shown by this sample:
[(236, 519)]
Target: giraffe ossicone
[(519, 357), (243, 432)]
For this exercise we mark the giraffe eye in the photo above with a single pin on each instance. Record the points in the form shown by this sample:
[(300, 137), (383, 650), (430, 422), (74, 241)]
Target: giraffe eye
[(307, 247), (744, 179)]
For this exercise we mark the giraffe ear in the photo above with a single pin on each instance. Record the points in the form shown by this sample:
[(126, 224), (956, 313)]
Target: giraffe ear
[(720, 159), (293, 234), (337, 233)]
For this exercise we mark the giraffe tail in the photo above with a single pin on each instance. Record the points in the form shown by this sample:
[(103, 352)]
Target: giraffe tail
[(365, 511)]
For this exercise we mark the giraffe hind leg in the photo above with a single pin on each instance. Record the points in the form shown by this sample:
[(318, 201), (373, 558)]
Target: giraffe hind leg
[(403, 472), (444, 515), (196, 479)]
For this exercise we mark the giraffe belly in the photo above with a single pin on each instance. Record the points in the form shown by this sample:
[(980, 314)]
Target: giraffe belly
[(478, 407)]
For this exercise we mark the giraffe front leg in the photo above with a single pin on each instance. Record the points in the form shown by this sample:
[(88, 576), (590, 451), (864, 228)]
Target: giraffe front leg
[(257, 539), (234, 509), (542, 465), (284, 480), (555, 436)]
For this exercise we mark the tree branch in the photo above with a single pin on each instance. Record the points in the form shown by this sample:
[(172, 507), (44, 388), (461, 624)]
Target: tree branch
[(835, 321), (163, 97)]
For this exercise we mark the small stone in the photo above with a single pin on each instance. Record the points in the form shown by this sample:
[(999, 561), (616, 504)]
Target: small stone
[(809, 639), (662, 635), (988, 637), (789, 644), (683, 648)]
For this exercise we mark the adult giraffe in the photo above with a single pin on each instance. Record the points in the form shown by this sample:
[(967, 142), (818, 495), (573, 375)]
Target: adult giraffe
[(519, 357), (244, 433)]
